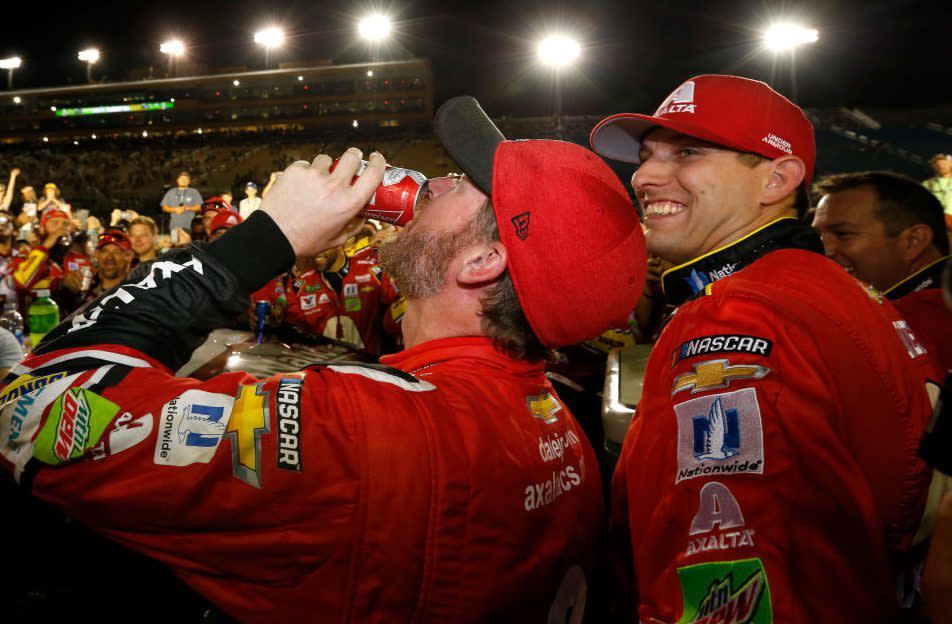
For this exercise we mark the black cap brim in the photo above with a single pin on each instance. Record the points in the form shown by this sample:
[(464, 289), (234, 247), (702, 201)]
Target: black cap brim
[(470, 137)]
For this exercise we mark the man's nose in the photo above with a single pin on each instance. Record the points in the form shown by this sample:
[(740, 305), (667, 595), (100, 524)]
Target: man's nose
[(438, 186), (650, 173)]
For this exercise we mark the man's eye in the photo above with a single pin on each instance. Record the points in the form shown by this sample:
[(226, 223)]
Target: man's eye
[(688, 151)]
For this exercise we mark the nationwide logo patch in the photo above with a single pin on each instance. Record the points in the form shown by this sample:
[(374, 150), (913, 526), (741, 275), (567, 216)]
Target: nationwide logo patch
[(726, 592), (722, 343), (191, 428), (75, 424), (720, 434), (716, 374)]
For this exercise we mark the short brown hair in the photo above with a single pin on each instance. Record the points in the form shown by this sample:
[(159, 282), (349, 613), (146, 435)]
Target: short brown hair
[(149, 222), (903, 202), (502, 316), (801, 198)]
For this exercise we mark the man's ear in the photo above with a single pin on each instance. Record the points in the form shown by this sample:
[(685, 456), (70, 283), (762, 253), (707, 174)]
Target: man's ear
[(786, 174), (481, 263), (914, 240)]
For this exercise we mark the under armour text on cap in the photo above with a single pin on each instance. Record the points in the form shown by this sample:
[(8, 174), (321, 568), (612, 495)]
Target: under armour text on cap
[(738, 113), (574, 241)]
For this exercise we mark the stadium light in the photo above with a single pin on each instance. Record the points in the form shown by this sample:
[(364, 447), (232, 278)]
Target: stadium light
[(89, 56), (374, 27), (16, 99), (786, 36), (236, 82), (269, 38), (558, 51), (10, 64), (173, 48)]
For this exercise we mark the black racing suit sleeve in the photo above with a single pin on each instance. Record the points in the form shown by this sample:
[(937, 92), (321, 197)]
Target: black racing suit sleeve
[(166, 308)]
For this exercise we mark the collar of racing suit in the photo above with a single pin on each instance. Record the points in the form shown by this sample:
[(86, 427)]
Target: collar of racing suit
[(928, 277), (692, 278), (462, 351)]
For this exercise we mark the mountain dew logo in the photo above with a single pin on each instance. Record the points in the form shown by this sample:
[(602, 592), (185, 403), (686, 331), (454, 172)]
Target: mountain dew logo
[(726, 592)]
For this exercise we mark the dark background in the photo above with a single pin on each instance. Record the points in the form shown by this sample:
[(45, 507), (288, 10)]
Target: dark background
[(871, 53)]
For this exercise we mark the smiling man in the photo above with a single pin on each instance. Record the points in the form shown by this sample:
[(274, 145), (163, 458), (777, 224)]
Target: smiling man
[(450, 484), (889, 231), (774, 448)]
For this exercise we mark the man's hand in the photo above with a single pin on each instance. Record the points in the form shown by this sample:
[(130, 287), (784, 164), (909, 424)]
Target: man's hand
[(317, 209), (73, 281), (14, 172)]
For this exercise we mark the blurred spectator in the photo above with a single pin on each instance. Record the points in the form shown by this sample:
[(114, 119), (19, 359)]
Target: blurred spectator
[(222, 222), (28, 212), (251, 202), (114, 257), (53, 200), (346, 298), (229, 201), (941, 184), (6, 190), (121, 215), (7, 238), (143, 233), (22, 248), (40, 269), (198, 229), (180, 201), (271, 180), (11, 352), (210, 208), (886, 229)]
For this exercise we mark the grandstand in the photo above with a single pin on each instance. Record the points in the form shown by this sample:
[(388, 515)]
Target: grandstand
[(226, 134)]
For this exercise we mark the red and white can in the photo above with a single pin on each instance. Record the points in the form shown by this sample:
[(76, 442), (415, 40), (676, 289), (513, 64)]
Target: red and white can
[(396, 197)]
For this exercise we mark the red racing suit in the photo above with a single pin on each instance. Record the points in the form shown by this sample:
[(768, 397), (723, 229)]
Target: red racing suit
[(770, 473), (919, 300), (451, 485), (357, 314)]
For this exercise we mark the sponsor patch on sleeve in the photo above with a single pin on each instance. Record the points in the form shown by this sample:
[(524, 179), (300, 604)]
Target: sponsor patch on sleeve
[(722, 343), (288, 402), (716, 374), (719, 435), (191, 428), (76, 422), (726, 592)]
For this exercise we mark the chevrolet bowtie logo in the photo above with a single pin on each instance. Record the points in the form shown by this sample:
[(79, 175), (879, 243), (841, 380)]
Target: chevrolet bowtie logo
[(544, 407), (716, 374)]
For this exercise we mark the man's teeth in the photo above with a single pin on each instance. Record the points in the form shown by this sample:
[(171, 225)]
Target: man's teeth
[(663, 208)]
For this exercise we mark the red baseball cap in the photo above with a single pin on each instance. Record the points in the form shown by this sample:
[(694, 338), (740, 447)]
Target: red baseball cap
[(739, 113), (213, 204), (574, 241), (115, 237), (50, 214), (224, 220)]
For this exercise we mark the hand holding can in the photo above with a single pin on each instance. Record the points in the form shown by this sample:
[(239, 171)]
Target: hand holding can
[(396, 197)]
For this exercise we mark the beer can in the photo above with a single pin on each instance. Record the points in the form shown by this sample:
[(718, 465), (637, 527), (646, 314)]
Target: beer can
[(396, 197)]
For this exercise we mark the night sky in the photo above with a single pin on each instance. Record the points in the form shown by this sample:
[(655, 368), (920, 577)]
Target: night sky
[(871, 53)]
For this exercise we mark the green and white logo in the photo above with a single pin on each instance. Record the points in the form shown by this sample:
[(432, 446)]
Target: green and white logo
[(726, 592), (75, 424)]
